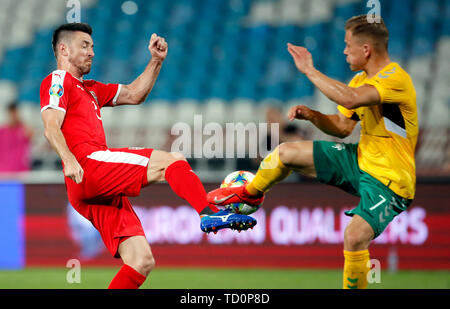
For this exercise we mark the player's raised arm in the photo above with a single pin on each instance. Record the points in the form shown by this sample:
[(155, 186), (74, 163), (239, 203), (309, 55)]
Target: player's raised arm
[(336, 125), (53, 120), (336, 91), (136, 92)]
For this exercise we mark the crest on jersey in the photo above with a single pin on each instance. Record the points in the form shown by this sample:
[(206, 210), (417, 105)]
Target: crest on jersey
[(338, 146), (56, 90)]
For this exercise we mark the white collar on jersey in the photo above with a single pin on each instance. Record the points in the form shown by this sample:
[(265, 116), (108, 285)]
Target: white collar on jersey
[(79, 79)]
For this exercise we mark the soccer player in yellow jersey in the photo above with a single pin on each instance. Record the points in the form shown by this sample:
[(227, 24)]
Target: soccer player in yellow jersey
[(380, 168)]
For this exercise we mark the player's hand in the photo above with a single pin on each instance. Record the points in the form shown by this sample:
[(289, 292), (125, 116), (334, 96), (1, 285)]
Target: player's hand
[(302, 58), (301, 112), (158, 47), (74, 171)]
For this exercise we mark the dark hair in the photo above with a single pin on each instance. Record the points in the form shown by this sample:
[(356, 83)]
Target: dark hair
[(72, 27), (12, 106), (377, 31)]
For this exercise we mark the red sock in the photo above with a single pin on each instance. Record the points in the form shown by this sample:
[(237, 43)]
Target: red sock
[(127, 278), (186, 184)]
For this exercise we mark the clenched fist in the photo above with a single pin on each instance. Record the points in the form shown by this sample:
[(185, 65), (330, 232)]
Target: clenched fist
[(158, 47), (301, 112), (74, 171)]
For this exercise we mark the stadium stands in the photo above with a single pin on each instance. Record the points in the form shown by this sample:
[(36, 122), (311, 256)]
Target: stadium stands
[(225, 58)]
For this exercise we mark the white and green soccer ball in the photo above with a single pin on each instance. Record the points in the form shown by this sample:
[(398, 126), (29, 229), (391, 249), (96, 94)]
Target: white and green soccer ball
[(236, 179)]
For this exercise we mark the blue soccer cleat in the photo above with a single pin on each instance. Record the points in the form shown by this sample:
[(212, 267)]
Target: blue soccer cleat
[(226, 219)]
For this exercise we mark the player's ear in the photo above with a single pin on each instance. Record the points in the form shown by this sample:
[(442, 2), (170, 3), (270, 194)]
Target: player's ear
[(63, 49), (367, 49)]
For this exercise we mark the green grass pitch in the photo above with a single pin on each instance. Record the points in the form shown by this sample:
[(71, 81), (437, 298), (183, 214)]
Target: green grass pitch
[(191, 278)]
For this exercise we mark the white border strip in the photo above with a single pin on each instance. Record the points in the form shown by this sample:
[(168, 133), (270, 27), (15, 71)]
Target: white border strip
[(53, 107), (392, 127), (114, 102), (119, 157)]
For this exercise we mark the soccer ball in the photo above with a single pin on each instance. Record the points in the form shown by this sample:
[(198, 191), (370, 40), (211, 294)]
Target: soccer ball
[(236, 179)]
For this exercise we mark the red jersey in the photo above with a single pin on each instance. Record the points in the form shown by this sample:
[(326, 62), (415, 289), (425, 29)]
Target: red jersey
[(81, 101)]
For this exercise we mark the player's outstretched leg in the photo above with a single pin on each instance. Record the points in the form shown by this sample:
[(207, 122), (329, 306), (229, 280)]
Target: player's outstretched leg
[(276, 167), (174, 168)]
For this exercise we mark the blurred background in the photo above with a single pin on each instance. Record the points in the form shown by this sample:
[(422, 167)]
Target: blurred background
[(228, 62)]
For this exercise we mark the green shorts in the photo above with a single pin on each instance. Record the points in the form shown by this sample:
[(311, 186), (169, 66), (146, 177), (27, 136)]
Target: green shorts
[(337, 164)]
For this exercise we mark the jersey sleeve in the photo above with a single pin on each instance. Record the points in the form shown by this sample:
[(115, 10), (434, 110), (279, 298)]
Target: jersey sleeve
[(346, 112), (106, 94), (391, 85), (54, 92)]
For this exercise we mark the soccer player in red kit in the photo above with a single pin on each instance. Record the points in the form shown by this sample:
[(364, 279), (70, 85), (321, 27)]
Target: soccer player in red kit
[(99, 179)]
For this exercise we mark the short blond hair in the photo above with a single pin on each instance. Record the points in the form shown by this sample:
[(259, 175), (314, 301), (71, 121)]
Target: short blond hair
[(377, 32)]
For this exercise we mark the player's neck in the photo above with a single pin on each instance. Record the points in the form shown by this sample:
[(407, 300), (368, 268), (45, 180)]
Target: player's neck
[(376, 64), (68, 67)]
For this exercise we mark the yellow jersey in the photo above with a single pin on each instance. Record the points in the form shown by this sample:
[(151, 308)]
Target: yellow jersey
[(388, 130)]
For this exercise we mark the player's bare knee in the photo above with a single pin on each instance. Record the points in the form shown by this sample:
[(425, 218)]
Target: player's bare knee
[(171, 158), (155, 173), (354, 240), (177, 156), (145, 264), (289, 153), (148, 264), (283, 153)]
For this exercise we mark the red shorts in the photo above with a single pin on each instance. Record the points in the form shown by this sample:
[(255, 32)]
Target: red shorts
[(111, 176)]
